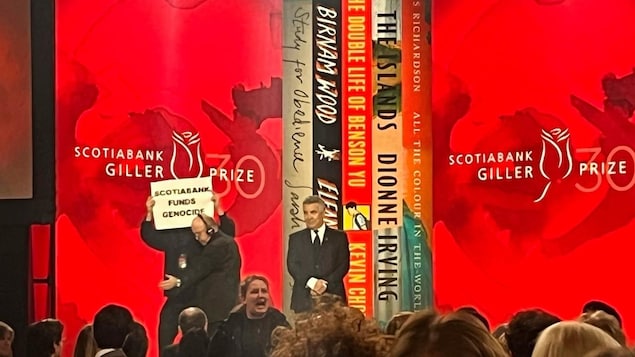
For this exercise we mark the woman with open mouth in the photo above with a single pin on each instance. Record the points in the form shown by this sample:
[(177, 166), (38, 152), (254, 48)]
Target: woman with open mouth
[(247, 330)]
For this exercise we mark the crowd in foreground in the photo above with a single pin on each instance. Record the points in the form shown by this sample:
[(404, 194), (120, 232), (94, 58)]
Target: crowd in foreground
[(332, 329)]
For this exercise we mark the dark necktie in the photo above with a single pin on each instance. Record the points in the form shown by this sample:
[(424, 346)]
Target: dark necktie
[(316, 240)]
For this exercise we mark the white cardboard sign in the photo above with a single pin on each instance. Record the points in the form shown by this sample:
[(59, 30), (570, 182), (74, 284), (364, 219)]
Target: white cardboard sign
[(178, 201)]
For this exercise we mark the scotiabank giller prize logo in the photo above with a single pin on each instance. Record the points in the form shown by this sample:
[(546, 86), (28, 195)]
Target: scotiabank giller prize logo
[(556, 142), (556, 164), (186, 145), (186, 160)]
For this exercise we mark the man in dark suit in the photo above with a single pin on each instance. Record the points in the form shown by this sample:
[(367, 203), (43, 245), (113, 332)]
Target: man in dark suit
[(214, 274), (44, 338), (180, 248), (318, 257), (111, 326)]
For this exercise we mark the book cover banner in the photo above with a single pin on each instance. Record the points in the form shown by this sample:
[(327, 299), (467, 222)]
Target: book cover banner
[(357, 127)]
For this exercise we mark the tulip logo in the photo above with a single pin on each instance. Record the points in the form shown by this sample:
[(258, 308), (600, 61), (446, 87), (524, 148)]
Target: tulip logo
[(555, 148), (189, 145)]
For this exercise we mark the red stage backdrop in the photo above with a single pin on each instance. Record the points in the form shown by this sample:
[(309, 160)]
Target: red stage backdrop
[(534, 159), (138, 84), (153, 90)]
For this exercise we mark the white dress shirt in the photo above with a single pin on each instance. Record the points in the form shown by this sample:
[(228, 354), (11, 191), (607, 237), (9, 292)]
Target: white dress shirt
[(104, 351), (320, 232)]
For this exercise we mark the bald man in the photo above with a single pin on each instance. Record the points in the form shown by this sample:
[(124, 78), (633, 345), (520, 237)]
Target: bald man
[(214, 274), (191, 319)]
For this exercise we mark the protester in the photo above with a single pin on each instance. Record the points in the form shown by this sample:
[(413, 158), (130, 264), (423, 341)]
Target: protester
[(247, 331)]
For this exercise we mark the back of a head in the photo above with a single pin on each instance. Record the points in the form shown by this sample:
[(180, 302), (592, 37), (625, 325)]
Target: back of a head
[(111, 326), (596, 305), (44, 338), (611, 352), (85, 345), (571, 339), (194, 343), (427, 334), (330, 330), (191, 318), (472, 311), (500, 331), (136, 342), (523, 330), (326, 302), (397, 321), (606, 323)]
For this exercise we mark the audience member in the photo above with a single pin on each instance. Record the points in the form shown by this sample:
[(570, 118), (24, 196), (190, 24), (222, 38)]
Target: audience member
[(327, 331), (85, 346), (331, 329), (136, 342), (605, 322), (523, 330), (611, 352), (472, 311), (456, 334), (571, 339), (44, 338), (247, 331), (194, 343), (110, 328), (6, 340), (499, 334), (397, 321), (596, 305), (191, 318), (500, 331)]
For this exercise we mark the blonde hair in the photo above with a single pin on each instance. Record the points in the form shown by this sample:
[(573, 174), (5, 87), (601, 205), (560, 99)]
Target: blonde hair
[(85, 345), (571, 339)]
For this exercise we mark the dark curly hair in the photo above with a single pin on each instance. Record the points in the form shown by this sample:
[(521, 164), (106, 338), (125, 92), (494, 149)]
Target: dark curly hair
[(330, 330)]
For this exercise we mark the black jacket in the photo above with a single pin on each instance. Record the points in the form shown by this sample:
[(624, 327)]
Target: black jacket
[(193, 344), (331, 264), (215, 277), (230, 338), (174, 242)]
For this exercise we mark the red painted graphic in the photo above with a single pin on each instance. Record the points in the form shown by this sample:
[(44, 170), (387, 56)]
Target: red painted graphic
[(533, 146)]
